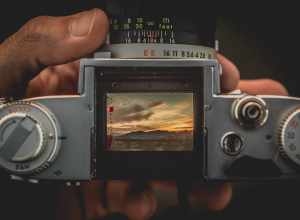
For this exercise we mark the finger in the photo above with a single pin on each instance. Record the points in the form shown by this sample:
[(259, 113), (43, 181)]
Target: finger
[(166, 194), (134, 199), (75, 68), (46, 83), (69, 73), (141, 206), (262, 87), (212, 197), (92, 204), (230, 76), (76, 65), (68, 207), (116, 194), (58, 80), (37, 87), (48, 41)]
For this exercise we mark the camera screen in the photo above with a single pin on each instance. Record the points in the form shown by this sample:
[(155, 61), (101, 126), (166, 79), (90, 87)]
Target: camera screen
[(150, 121)]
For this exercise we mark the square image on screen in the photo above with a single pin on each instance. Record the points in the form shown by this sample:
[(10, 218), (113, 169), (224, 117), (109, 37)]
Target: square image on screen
[(150, 121)]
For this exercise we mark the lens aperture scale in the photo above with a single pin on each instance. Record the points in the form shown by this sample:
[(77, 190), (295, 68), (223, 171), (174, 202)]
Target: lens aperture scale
[(164, 30)]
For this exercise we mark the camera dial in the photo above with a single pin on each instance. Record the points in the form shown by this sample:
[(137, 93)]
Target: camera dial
[(29, 140), (289, 138), (250, 112)]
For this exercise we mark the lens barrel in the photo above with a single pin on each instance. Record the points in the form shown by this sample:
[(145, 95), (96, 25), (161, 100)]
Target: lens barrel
[(161, 21)]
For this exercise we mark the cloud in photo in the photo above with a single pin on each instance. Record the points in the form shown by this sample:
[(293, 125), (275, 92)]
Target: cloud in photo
[(149, 112), (155, 104), (137, 117), (130, 110)]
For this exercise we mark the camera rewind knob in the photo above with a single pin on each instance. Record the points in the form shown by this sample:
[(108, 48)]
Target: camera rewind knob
[(28, 138), (289, 137)]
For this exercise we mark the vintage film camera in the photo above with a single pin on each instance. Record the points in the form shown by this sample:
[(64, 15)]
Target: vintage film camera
[(149, 105)]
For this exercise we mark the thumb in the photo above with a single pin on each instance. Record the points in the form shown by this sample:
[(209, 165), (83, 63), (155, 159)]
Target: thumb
[(46, 41)]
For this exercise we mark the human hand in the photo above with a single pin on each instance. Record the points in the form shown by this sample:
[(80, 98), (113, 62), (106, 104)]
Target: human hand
[(49, 42), (46, 42)]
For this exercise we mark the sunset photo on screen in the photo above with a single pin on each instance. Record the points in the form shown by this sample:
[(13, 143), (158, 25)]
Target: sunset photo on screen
[(150, 121)]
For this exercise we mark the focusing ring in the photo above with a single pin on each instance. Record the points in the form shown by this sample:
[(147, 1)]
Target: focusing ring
[(161, 30)]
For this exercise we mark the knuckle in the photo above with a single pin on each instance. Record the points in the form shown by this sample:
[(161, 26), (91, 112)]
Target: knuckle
[(37, 23), (34, 30), (38, 20)]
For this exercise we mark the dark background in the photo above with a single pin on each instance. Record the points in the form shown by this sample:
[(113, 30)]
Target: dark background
[(260, 38)]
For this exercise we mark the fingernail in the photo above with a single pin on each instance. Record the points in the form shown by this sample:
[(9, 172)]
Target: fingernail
[(83, 24)]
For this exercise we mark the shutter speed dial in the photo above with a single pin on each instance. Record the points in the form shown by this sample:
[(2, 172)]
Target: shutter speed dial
[(22, 138), (289, 137), (29, 140)]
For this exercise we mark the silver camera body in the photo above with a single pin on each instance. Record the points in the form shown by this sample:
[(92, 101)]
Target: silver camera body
[(234, 136)]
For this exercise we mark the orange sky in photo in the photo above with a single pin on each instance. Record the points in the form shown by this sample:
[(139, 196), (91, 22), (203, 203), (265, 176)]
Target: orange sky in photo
[(149, 112)]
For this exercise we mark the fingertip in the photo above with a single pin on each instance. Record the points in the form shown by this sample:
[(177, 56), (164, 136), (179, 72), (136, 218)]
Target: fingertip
[(116, 194), (141, 207), (101, 17), (53, 84), (231, 74), (277, 87), (211, 197), (87, 44), (72, 37), (141, 201), (100, 27), (220, 198)]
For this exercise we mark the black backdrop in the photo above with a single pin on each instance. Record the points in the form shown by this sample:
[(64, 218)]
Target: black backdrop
[(261, 39)]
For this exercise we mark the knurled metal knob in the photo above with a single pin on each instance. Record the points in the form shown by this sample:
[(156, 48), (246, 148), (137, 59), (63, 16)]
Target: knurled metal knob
[(289, 137), (28, 138)]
